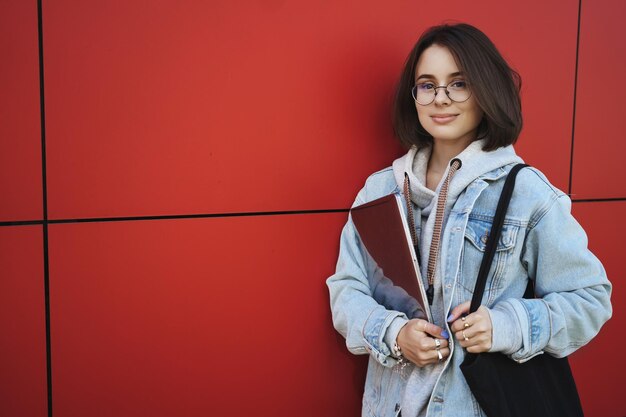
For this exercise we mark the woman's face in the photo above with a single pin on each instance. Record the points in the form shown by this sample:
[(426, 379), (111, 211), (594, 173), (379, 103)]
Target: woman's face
[(446, 120)]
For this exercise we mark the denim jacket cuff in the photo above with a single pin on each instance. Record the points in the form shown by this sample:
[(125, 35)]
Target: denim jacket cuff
[(391, 335), (506, 335), (374, 330), (535, 328)]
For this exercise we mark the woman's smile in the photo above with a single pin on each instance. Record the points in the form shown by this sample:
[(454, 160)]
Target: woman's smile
[(443, 118)]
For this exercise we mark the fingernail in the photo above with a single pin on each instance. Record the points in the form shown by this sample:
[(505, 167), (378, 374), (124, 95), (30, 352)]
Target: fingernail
[(450, 317), (445, 334)]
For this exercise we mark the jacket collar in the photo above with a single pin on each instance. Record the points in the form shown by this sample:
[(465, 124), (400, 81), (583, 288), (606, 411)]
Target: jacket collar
[(476, 164)]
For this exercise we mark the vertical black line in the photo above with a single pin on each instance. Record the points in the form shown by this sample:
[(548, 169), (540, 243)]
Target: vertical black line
[(44, 186), (571, 157)]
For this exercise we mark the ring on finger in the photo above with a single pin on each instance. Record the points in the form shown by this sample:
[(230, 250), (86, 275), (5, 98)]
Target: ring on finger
[(437, 344), (439, 355), (464, 335), (466, 325)]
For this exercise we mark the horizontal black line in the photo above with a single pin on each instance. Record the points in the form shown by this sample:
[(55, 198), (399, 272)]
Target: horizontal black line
[(598, 200), (173, 217), (22, 223), (198, 216)]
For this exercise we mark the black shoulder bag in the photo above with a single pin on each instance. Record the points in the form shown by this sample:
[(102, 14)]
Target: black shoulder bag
[(541, 386)]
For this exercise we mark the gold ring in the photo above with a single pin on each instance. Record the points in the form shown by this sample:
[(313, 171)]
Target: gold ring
[(464, 336), (437, 343), (466, 325)]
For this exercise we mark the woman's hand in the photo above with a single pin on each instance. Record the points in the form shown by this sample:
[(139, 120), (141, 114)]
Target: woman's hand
[(474, 330), (420, 342)]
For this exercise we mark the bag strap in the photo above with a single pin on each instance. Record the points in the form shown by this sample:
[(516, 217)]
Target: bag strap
[(494, 236)]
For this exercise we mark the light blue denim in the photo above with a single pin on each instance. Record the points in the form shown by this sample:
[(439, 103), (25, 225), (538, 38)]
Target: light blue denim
[(540, 241)]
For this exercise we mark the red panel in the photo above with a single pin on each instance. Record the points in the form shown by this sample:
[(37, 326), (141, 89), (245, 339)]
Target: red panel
[(174, 108), (22, 323), (599, 142), (20, 137), (204, 317), (599, 367)]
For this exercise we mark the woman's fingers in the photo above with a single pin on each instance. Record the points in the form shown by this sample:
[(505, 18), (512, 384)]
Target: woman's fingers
[(439, 343), (480, 320), (429, 356), (474, 331), (441, 356), (473, 335), (459, 311), (434, 330), (419, 347)]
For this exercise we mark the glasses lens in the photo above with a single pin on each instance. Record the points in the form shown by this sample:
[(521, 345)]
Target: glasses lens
[(458, 91), (423, 93)]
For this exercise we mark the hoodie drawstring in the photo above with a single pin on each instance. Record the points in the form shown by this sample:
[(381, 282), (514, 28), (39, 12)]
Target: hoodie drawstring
[(411, 217), (436, 238)]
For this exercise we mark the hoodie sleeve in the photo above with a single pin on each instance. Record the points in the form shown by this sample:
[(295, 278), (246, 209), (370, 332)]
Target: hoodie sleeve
[(367, 326), (571, 288)]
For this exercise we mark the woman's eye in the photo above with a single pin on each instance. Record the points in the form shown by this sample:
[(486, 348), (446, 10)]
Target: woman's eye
[(460, 84), (425, 86)]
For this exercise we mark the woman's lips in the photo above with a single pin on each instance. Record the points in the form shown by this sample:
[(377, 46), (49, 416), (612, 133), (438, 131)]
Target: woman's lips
[(443, 118)]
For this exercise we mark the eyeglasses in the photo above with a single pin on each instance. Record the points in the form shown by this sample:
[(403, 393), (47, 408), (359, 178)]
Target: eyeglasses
[(425, 93)]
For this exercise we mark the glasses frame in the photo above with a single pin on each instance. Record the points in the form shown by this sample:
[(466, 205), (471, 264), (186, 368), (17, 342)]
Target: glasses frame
[(445, 87)]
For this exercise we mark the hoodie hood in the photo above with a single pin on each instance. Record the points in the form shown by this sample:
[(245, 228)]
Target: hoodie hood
[(474, 163)]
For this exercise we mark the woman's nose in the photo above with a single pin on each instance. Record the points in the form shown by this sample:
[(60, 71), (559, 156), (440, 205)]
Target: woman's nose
[(441, 97)]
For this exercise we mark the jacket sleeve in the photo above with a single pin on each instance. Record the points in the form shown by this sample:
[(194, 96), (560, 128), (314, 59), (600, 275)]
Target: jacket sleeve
[(571, 288), (367, 326)]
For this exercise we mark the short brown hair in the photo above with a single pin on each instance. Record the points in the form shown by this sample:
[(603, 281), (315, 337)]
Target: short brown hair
[(494, 84)]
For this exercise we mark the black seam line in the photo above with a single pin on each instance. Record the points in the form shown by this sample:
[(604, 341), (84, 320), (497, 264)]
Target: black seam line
[(168, 217), (46, 264), (571, 157), (196, 216), (22, 223), (598, 200)]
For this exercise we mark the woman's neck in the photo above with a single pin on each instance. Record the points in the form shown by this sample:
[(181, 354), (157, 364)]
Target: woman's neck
[(444, 150), (442, 153)]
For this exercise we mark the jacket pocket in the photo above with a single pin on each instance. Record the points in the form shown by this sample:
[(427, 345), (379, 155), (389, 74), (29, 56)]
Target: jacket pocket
[(474, 245), (477, 232)]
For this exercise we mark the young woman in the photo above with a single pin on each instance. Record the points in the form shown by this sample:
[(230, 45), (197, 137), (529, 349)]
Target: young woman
[(458, 109)]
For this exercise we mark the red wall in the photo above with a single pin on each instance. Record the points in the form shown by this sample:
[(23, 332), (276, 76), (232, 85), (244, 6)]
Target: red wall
[(263, 118)]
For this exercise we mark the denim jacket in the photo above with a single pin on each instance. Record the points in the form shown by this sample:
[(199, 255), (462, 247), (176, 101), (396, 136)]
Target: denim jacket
[(540, 241)]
